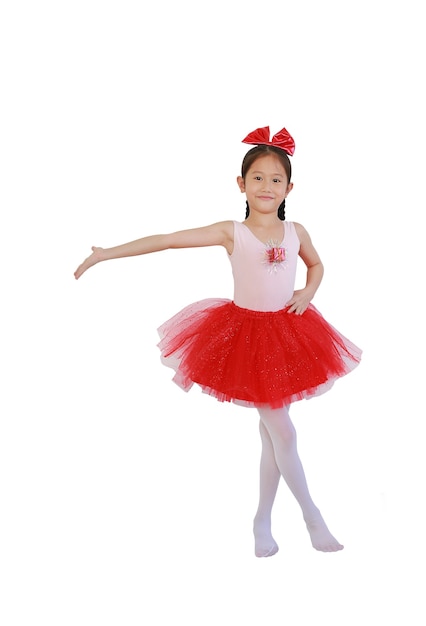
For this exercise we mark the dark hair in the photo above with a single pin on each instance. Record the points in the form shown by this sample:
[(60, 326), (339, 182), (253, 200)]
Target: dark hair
[(263, 150)]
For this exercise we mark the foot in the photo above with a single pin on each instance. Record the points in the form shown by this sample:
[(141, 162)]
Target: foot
[(264, 543), (321, 537)]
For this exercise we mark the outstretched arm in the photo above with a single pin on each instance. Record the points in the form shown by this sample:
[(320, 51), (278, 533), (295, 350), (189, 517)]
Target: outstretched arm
[(315, 271), (219, 234)]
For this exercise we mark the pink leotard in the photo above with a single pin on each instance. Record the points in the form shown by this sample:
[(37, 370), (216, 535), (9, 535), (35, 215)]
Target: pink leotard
[(260, 284)]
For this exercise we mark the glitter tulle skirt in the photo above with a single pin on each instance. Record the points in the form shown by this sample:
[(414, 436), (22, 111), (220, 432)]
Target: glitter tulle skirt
[(254, 358)]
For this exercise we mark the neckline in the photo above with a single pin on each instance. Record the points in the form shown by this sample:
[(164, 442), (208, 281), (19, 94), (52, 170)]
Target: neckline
[(264, 243)]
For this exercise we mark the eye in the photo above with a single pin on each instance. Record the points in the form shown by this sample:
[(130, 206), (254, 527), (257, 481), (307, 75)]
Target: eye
[(276, 180), (257, 178)]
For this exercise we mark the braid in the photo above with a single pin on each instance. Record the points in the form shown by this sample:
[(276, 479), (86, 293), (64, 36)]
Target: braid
[(281, 210)]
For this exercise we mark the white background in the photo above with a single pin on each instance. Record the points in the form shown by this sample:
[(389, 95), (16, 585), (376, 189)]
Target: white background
[(123, 500)]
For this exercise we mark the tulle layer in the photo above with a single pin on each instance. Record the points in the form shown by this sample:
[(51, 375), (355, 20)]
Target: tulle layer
[(254, 358)]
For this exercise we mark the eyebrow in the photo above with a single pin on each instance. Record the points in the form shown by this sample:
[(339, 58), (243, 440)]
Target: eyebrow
[(273, 174)]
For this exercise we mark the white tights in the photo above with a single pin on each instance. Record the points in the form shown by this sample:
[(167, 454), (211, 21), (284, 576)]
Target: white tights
[(280, 458)]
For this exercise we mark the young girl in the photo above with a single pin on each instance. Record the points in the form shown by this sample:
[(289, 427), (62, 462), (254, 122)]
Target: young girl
[(269, 346)]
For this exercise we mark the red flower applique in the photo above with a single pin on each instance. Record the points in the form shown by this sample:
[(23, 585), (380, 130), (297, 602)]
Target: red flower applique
[(275, 256)]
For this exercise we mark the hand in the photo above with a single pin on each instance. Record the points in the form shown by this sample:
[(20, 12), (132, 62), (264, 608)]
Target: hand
[(299, 302), (94, 258)]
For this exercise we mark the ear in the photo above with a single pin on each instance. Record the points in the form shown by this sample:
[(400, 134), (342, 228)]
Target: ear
[(240, 183), (289, 188)]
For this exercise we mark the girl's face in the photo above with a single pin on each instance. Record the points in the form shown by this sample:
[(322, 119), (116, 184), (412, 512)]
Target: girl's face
[(265, 184)]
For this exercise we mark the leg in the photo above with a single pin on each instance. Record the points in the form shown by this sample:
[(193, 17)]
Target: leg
[(284, 441), (269, 478)]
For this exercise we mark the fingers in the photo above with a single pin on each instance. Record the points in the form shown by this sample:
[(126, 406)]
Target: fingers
[(78, 272), (298, 303), (91, 260), (296, 308), (82, 268)]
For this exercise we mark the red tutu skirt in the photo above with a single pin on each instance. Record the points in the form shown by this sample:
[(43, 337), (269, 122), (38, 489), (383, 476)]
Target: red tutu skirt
[(254, 358)]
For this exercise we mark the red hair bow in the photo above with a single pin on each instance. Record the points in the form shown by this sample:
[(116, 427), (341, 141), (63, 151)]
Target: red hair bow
[(282, 139)]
